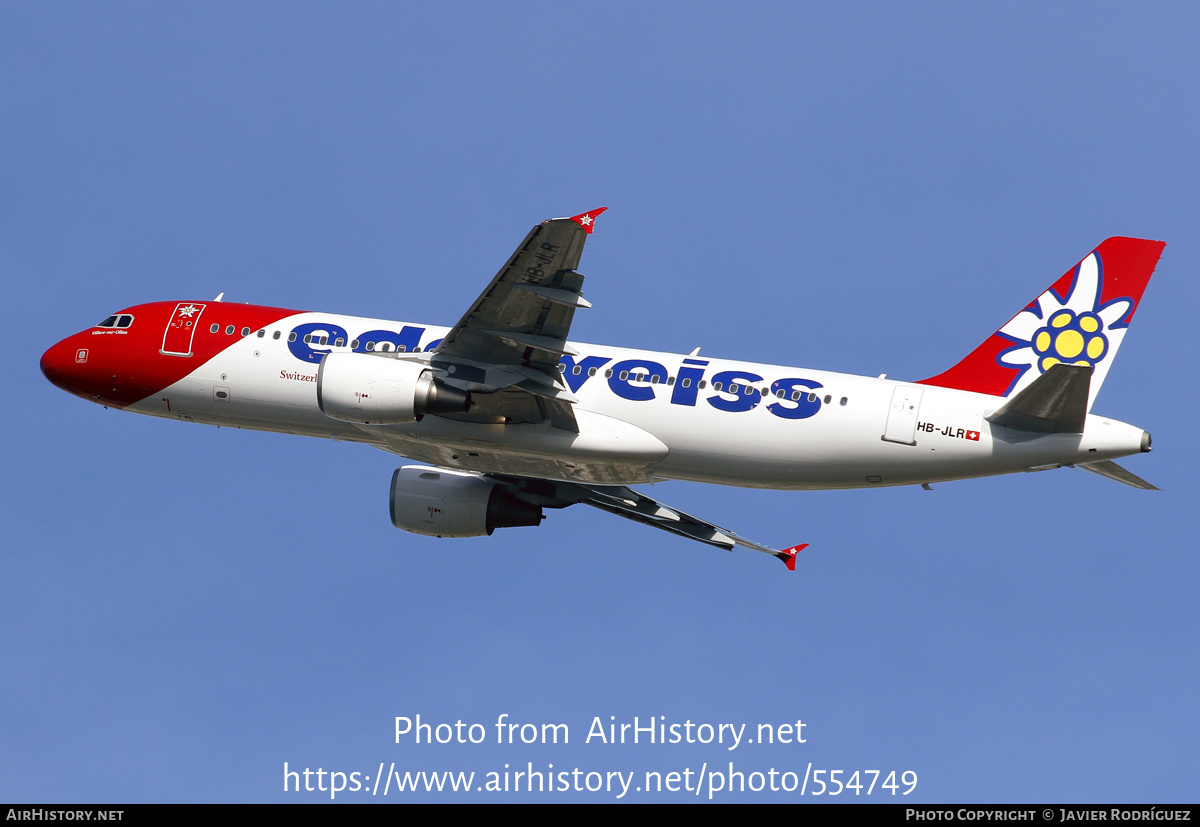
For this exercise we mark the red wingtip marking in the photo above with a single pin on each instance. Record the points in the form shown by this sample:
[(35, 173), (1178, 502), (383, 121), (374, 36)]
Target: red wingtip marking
[(790, 559), (587, 220)]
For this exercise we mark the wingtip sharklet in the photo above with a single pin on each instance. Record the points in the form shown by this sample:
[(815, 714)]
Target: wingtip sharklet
[(788, 555), (587, 220)]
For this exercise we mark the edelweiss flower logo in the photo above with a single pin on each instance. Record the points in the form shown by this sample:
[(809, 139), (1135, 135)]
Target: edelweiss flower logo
[(1076, 330), (1072, 339)]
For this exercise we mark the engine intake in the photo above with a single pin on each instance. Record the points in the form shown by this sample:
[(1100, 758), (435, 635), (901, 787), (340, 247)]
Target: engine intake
[(375, 390), (437, 502)]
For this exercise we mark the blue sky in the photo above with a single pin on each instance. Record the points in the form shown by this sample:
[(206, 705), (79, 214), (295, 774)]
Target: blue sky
[(868, 188)]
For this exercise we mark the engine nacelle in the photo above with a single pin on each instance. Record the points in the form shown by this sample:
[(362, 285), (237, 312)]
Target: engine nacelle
[(376, 390), (441, 503)]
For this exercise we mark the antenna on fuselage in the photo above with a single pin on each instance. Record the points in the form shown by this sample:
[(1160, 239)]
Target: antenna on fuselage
[(220, 296)]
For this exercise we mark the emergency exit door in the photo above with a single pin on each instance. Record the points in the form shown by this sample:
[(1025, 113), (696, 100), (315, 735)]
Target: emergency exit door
[(901, 424)]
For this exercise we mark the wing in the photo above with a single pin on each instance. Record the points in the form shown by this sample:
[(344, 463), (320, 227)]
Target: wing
[(633, 505), (507, 346)]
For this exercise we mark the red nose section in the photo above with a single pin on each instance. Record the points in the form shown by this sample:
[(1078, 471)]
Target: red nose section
[(150, 347), (74, 366), (94, 369)]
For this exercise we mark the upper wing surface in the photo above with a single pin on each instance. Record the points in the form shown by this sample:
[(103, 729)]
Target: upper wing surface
[(516, 331), (523, 317)]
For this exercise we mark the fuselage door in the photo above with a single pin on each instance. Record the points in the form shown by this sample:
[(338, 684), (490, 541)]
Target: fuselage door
[(181, 327), (902, 415)]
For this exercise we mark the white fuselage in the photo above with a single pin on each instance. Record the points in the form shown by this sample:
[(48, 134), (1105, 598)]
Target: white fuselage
[(842, 431)]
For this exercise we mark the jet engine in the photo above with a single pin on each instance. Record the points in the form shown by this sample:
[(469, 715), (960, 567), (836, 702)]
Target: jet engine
[(440, 503), (376, 390)]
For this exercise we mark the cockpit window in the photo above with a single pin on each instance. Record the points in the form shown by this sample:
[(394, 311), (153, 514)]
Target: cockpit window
[(120, 320)]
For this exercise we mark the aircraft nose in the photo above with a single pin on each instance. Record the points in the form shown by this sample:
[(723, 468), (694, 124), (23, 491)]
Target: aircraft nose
[(66, 365), (58, 362)]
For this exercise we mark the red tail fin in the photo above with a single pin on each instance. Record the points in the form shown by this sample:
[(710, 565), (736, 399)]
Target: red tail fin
[(1081, 319)]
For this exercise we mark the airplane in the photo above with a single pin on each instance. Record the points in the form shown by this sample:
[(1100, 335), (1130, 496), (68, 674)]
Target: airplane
[(512, 418)]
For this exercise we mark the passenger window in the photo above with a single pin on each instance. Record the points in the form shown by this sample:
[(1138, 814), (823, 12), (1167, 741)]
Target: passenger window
[(703, 382), (562, 367), (292, 337), (308, 338), (654, 379), (354, 344), (384, 347), (716, 386), (275, 335), (591, 371), (624, 375), (843, 400), (339, 342), (229, 330), (245, 331), (795, 396), (370, 345), (578, 369), (608, 374), (779, 394), (828, 399), (812, 397), (214, 328), (687, 383), (262, 333)]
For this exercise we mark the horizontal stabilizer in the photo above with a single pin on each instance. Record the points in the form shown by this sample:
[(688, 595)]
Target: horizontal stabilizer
[(1054, 403), (1108, 468)]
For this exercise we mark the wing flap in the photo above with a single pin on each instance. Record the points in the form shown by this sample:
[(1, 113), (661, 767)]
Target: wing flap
[(548, 344), (556, 294)]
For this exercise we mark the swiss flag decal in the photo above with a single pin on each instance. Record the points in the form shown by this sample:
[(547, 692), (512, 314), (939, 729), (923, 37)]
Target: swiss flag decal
[(973, 436)]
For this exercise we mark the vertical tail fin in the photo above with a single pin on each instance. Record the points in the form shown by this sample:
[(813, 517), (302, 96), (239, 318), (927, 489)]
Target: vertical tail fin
[(1080, 320)]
